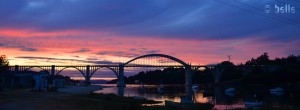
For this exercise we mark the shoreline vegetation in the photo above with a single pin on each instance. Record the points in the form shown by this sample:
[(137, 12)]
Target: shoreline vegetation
[(286, 71)]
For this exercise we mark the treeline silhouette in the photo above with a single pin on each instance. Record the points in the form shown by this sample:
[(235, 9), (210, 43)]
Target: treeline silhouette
[(287, 71), (3, 64)]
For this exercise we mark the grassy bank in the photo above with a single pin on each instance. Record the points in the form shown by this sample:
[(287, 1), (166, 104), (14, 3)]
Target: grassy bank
[(25, 100)]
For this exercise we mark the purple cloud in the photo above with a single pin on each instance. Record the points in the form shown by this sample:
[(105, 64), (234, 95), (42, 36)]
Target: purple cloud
[(190, 19)]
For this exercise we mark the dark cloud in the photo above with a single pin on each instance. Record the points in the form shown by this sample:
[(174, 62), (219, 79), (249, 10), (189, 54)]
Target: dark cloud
[(28, 49), (133, 52), (117, 53), (76, 56), (103, 62), (61, 60), (82, 50), (20, 47), (144, 50), (42, 58), (92, 58), (188, 19)]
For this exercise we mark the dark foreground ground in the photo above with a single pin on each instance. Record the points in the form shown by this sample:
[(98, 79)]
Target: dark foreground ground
[(25, 100)]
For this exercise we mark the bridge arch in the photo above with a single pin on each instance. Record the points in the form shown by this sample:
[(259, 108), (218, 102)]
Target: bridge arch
[(158, 55), (36, 67), (116, 73), (71, 67)]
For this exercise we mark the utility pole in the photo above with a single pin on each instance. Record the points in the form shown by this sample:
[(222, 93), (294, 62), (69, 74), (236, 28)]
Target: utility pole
[(229, 57)]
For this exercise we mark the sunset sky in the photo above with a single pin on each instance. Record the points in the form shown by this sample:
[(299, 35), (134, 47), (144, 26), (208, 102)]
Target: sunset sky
[(62, 32)]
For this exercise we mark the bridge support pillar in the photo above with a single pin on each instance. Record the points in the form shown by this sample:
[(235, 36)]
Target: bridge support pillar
[(16, 68), (188, 75), (87, 75), (188, 84), (217, 73), (52, 70), (121, 81)]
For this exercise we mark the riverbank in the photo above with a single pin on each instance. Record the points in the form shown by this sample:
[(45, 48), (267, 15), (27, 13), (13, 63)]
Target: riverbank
[(69, 98)]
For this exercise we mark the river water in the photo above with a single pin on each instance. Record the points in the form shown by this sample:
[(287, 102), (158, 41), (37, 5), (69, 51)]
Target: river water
[(258, 97)]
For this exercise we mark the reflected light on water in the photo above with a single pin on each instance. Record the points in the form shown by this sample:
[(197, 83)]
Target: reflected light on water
[(226, 107), (200, 99), (214, 96), (150, 92)]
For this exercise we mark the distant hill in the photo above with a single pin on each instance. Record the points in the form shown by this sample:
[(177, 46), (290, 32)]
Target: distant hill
[(165, 76), (99, 81)]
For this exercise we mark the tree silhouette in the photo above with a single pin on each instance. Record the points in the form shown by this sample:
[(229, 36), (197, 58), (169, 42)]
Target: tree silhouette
[(261, 60), (3, 64), (226, 63)]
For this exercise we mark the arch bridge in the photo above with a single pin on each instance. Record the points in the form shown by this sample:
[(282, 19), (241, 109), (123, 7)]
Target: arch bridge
[(145, 61)]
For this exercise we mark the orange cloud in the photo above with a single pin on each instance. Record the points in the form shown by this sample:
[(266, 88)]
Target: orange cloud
[(62, 44)]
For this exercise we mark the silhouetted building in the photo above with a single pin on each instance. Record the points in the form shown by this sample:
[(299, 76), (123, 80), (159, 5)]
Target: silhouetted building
[(13, 80)]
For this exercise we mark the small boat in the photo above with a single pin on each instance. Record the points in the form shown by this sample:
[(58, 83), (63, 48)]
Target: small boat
[(189, 106), (277, 89), (195, 87), (230, 90)]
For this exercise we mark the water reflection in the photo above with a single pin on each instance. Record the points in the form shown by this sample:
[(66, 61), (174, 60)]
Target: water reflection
[(121, 91), (188, 95), (254, 98)]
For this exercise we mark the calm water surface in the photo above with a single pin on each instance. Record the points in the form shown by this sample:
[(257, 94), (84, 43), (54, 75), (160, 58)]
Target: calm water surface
[(249, 97)]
